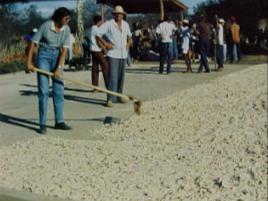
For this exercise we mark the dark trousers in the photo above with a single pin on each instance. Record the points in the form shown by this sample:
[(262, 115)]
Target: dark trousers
[(99, 59), (204, 50), (220, 55), (116, 76), (166, 54)]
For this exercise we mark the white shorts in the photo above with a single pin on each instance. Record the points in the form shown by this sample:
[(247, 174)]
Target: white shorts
[(185, 49), (185, 46)]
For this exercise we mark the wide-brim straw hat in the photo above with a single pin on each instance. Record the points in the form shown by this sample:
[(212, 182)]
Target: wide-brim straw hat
[(119, 10)]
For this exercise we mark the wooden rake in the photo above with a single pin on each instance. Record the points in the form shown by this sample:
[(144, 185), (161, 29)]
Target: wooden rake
[(137, 102)]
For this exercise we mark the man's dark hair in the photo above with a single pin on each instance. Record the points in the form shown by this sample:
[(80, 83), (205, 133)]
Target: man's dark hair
[(167, 18), (202, 18), (60, 13), (96, 19)]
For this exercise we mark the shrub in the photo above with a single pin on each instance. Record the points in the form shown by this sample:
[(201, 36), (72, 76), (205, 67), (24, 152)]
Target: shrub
[(12, 67)]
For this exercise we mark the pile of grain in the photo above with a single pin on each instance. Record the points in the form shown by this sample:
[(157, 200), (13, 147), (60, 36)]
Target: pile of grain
[(205, 143)]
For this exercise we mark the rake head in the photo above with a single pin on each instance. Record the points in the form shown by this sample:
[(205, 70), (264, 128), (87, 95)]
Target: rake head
[(137, 104), (137, 107)]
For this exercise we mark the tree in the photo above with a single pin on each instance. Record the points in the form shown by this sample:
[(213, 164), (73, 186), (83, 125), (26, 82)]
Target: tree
[(33, 18), (8, 19), (80, 21)]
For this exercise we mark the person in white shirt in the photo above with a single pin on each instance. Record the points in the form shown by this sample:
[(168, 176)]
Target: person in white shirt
[(70, 49), (165, 30), (97, 55), (118, 34), (137, 36), (186, 37), (220, 44)]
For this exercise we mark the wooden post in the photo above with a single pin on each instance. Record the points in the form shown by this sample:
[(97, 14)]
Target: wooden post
[(181, 15), (162, 12), (102, 11)]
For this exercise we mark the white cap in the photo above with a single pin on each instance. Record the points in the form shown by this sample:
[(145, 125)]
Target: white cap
[(221, 20), (186, 21)]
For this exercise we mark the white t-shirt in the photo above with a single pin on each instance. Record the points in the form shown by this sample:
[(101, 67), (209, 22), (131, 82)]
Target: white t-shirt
[(72, 40), (137, 33), (166, 31), (220, 37), (93, 42), (117, 37)]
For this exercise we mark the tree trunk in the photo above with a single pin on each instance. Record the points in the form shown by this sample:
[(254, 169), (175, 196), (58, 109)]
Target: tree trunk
[(80, 25)]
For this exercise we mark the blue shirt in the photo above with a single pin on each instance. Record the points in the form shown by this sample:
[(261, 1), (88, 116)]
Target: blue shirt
[(47, 37)]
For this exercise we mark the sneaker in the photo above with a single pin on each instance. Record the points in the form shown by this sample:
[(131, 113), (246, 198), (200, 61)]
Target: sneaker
[(62, 126), (43, 129), (109, 104)]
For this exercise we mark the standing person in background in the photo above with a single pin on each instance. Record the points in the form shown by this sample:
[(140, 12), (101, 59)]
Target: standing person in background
[(165, 31), (186, 40), (86, 48), (235, 31), (70, 49), (137, 35), (53, 38), (97, 54), (204, 32), (174, 42), (28, 39), (194, 43), (220, 44), (228, 37), (118, 33)]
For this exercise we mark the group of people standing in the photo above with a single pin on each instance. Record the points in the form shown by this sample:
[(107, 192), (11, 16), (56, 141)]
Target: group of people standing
[(196, 39)]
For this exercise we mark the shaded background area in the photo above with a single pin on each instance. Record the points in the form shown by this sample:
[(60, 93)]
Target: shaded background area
[(19, 17)]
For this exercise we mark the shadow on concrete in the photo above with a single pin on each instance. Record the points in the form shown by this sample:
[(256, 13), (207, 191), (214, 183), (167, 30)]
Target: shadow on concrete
[(32, 124), (152, 70), (65, 88), (25, 123), (111, 120), (67, 97)]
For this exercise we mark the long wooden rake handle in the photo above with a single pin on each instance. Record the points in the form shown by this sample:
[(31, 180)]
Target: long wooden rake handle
[(137, 102)]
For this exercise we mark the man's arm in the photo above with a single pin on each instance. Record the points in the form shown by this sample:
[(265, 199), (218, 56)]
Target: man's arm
[(30, 66), (104, 44), (129, 42), (60, 62)]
